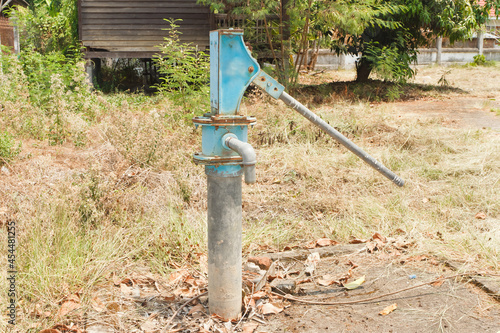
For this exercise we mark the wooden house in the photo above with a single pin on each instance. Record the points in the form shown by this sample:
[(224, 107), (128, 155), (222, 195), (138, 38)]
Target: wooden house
[(8, 33), (133, 28)]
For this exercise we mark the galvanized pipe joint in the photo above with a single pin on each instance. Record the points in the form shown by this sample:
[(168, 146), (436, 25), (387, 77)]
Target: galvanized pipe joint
[(246, 151)]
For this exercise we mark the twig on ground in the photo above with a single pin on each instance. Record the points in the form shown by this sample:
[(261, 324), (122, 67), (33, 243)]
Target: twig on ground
[(297, 299), (182, 307), (319, 72)]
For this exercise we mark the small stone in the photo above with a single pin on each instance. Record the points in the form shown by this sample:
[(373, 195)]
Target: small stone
[(262, 262), (284, 285), (251, 267), (5, 170)]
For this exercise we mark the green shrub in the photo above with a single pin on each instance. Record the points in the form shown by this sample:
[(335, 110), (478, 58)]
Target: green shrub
[(8, 149), (49, 26), (184, 71), (480, 60), (40, 70)]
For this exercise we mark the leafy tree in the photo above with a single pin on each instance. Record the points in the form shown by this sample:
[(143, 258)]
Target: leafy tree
[(283, 21), (387, 33)]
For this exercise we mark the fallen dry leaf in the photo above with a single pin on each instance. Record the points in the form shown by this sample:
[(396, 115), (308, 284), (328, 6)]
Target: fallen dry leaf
[(168, 297), (379, 237), (98, 305), (178, 276), (196, 308), (249, 327), (303, 281), (371, 246), (70, 303), (480, 216), (128, 281), (355, 284), (60, 328), (149, 325), (67, 307), (327, 280), (186, 292), (263, 262), (194, 282), (388, 309), (357, 241), (269, 308), (126, 290), (258, 295), (325, 242)]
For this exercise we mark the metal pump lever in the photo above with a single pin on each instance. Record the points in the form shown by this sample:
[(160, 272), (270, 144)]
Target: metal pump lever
[(276, 90), (226, 155)]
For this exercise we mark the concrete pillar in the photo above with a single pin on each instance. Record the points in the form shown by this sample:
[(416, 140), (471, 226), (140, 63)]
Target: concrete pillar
[(224, 246), (17, 43), (89, 69), (480, 42), (342, 61), (439, 47)]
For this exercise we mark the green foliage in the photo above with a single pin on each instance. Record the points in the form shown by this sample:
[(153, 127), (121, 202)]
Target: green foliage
[(13, 81), (387, 62), (45, 97), (51, 76), (8, 148), (184, 72), (49, 25), (381, 29), (480, 60), (276, 37)]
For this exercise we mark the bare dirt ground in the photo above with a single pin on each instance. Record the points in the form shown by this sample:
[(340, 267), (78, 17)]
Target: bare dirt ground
[(461, 112), (453, 306), (474, 109)]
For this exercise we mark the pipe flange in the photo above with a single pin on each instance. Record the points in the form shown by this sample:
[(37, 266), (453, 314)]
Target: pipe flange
[(225, 120)]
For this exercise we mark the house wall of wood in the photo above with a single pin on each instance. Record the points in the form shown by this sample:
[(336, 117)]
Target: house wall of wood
[(133, 28), (6, 32)]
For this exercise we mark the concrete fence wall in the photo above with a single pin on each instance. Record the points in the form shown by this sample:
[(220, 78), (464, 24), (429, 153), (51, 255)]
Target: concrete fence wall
[(329, 60), (440, 55)]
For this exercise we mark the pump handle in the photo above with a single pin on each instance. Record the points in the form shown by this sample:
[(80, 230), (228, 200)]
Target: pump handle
[(276, 90)]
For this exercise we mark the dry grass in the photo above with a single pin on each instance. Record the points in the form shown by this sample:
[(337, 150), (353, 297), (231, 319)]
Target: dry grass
[(129, 195)]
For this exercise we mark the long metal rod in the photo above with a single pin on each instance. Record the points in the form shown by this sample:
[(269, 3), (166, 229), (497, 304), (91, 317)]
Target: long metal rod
[(296, 105)]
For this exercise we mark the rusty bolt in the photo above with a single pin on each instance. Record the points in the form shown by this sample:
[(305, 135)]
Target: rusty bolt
[(251, 69)]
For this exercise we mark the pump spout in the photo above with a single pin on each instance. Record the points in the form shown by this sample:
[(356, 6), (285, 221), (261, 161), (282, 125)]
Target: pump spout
[(249, 157)]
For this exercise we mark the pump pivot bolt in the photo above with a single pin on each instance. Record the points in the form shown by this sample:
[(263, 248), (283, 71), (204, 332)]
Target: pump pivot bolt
[(251, 69)]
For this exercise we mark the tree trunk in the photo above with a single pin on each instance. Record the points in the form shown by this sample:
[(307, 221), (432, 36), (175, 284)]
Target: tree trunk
[(363, 70)]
